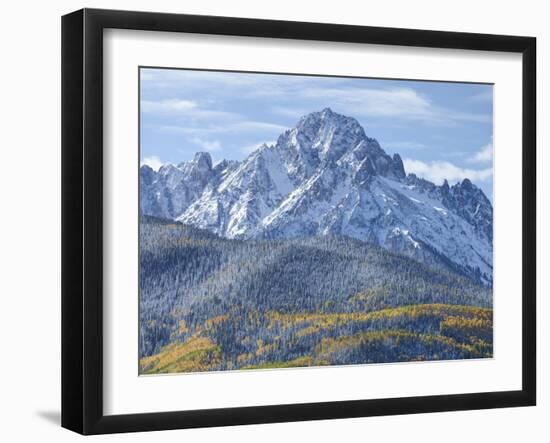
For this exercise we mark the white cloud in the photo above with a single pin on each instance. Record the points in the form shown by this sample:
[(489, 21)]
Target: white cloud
[(207, 145), (210, 115), (384, 102), (249, 84), (484, 155), (239, 127), (404, 145), (314, 94), (291, 112), (485, 96), (402, 103), (256, 126), (168, 105), (438, 171), (153, 162)]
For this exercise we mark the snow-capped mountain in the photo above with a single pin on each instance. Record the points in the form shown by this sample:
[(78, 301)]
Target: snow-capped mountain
[(326, 177)]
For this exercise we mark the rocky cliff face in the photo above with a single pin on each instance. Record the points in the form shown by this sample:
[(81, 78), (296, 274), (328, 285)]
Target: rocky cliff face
[(326, 177)]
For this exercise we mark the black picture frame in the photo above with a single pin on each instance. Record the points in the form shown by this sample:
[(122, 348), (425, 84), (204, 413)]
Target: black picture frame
[(82, 220)]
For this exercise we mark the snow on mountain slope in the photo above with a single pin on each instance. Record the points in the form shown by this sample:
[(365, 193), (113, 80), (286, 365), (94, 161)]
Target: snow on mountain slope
[(325, 176), (248, 194), (168, 192)]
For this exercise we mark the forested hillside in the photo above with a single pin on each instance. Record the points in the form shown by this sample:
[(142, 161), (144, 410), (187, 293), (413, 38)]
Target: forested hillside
[(212, 303)]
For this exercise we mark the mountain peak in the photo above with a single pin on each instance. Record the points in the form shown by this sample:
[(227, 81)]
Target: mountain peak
[(203, 160), (325, 176), (328, 116), (467, 184), (397, 167), (167, 168), (323, 135)]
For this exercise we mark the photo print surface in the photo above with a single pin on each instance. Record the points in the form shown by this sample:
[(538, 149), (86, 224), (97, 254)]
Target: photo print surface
[(301, 220)]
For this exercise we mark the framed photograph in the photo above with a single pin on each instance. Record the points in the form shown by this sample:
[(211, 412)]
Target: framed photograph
[(269, 221)]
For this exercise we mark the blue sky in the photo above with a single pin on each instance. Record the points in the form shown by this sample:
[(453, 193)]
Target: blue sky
[(441, 130)]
